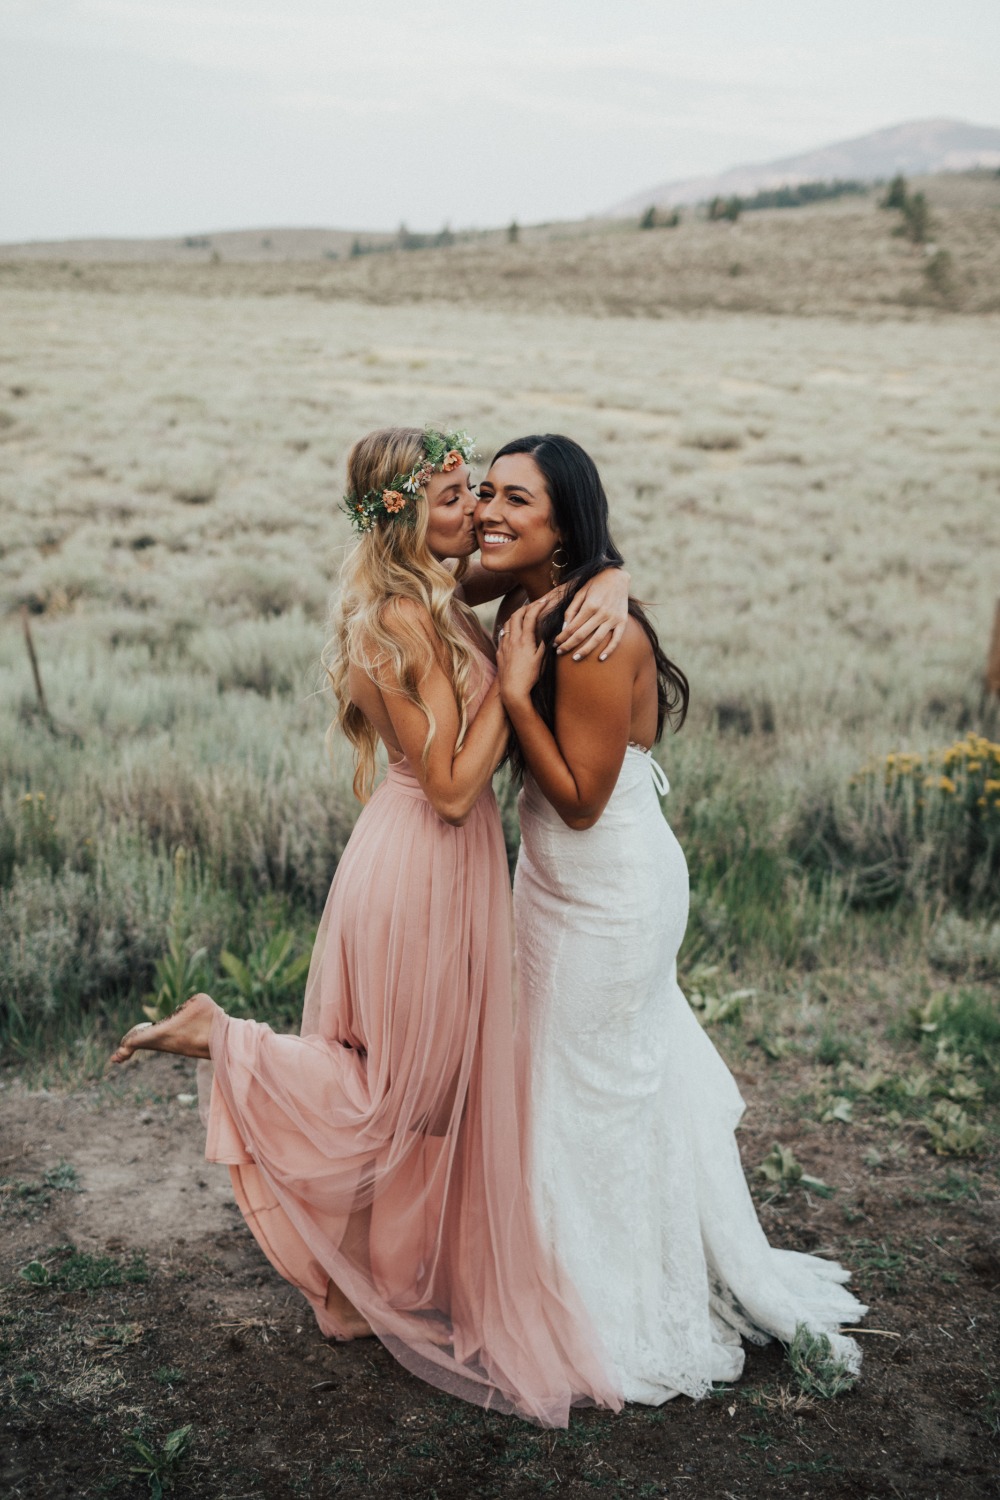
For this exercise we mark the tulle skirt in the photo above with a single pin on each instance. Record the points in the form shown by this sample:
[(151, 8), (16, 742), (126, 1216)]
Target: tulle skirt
[(381, 1149)]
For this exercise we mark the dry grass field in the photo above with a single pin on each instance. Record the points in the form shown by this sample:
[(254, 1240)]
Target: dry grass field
[(810, 504), (839, 258)]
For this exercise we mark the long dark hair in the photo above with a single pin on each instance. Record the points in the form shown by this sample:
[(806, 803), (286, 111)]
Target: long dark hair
[(580, 515)]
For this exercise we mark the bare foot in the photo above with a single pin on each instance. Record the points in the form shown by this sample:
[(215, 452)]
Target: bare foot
[(185, 1032), (350, 1323)]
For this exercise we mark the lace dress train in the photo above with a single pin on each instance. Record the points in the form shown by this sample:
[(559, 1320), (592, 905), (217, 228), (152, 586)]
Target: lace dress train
[(636, 1172)]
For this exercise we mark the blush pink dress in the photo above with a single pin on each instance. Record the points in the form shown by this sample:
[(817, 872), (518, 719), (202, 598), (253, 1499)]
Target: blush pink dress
[(381, 1148)]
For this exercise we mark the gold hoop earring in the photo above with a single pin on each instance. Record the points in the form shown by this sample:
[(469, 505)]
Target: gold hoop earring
[(556, 568)]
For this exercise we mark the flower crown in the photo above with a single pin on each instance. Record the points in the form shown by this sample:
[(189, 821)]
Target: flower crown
[(443, 451)]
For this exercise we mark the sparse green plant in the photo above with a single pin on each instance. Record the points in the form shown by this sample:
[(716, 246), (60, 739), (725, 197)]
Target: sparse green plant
[(817, 1371), (182, 971), (773, 1045), (951, 1131), (168, 1376), (709, 1004), (961, 1035), (991, 1404), (838, 1108), (835, 1046), (67, 1269), (879, 1256), (269, 979), (782, 1168), (63, 1177), (159, 1463)]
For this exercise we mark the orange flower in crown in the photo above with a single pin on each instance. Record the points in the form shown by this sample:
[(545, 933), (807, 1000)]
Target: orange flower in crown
[(443, 452)]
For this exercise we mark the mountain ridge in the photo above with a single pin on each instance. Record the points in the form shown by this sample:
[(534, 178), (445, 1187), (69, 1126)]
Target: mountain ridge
[(914, 147)]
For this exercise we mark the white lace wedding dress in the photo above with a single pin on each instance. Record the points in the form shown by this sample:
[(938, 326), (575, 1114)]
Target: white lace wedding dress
[(637, 1177)]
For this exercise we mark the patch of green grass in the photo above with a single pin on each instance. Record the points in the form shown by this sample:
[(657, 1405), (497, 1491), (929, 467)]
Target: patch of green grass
[(64, 1178), (760, 1440), (835, 1046), (879, 1256), (168, 1376), (817, 1370), (67, 1269), (954, 1189), (963, 1028)]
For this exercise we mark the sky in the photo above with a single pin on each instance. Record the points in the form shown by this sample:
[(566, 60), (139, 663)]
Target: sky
[(163, 117)]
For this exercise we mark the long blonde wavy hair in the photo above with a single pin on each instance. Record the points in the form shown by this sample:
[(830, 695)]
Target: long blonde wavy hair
[(369, 630)]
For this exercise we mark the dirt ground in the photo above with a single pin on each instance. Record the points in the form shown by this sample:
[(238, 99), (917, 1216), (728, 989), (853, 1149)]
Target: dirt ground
[(165, 1315)]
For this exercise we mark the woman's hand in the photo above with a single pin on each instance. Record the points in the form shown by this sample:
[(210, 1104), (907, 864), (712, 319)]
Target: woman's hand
[(519, 653), (596, 617)]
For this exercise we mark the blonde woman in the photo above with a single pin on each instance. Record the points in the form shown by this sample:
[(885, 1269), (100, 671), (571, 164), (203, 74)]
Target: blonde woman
[(377, 1156)]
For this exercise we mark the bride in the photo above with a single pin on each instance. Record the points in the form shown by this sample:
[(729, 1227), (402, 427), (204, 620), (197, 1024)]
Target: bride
[(636, 1173)]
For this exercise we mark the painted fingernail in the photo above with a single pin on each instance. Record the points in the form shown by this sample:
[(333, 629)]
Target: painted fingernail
[(603, 656), (576, 656)]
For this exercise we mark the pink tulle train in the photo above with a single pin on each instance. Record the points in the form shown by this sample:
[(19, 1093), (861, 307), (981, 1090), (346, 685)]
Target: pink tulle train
[(382, 1148)]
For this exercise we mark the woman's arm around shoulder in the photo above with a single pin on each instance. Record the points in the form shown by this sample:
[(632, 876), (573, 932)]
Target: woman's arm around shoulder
[(596, 616)]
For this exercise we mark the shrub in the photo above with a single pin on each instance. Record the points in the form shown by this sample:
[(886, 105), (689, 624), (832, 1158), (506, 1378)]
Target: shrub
[(962, 945), (725, 208), (654, 219), (802, 193), (938, 273), (912, 825), (269, 982), (916, 219), (895, 194)]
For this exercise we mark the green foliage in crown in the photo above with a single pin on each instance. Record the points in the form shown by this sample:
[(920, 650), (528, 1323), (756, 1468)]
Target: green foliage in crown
[(443, 451)]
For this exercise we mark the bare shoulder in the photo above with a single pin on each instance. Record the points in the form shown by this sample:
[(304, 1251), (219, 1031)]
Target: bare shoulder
[(633, 651), (410, 614)]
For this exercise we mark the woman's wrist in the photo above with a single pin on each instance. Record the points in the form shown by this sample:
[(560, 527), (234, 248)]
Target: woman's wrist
[(517, 703)]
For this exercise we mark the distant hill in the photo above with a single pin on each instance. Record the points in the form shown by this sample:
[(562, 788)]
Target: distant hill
[(917, 148), (264, 244)]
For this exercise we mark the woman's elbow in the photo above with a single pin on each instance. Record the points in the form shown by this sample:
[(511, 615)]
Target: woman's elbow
[(580, 819), (453, 810)]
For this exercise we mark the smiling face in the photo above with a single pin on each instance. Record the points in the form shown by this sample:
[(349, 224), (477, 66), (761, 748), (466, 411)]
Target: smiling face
[(451, 502), (514, 522)]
